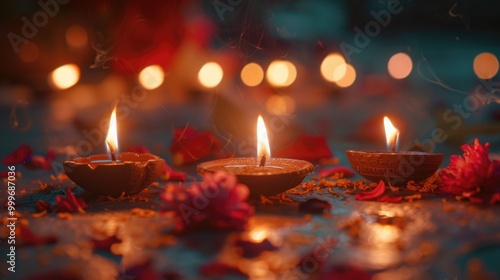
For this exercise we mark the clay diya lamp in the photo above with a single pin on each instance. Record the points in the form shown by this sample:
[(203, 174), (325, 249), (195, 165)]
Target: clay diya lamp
[(263, 175), (114, 174), (392, 167)]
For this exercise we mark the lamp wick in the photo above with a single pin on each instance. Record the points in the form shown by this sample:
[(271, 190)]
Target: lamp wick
[(263, 161), (112, 151)]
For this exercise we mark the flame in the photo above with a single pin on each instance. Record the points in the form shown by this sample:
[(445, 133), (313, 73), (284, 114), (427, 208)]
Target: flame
[(262, 140), (391, 135), (112, 137)]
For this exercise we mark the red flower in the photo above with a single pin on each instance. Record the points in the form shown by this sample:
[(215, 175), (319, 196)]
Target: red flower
[(218, 202), (307, 147), (190, 145), (70, 203), (473, 174)]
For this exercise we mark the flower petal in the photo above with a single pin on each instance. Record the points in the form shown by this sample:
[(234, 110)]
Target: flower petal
[(376, 192), (18, 156)]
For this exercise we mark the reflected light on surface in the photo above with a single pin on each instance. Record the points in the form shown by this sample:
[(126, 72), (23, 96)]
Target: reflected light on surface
[(151, 77), (65, 76), (383, 234), (28, 52), (333, 67), (280, 105), (210, 74), (258, 235), (281, 73), (252, 74), (349, 77), (400, 66), (76, 36), (485, 65)]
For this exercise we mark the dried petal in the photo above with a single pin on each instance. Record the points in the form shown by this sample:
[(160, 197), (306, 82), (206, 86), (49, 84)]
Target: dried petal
[(42, 205), (376, 192), (315, 206), (336, 170), (70, 203)]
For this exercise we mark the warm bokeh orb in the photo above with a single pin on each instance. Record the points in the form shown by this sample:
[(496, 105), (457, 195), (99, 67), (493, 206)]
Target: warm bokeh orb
[(348, 78), (76, 36), (65, 76), (151, 77), (28, 52), (333, 67), (400, 66), (485, 65), (210, 74), (281, 73), (280, 105), (252, 74)]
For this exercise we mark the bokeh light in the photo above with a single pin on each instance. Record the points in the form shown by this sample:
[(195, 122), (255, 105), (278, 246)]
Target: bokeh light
[(76, 36), (281, 73), (400, 66), (28, 52), (210, 74), (280, 105), (485, 65), (348, 78), (333, 67), (65, 76), (252, 74), (151, 77)]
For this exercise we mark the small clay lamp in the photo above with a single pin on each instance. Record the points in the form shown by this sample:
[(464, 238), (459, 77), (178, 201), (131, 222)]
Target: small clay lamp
[(393, 167), (262, 174), (114, 174)]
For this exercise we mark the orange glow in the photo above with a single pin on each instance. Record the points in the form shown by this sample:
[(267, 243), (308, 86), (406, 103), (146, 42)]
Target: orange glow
[(348, 78), (259, 234), (65, 76), (485, 65), (391, 135), (333, 67), (262, 140), (151, 77), (280, 105), (28, 52), (400, 66), (112, 137), (281, 73), (210, 74), (252, 74), (76, 36)]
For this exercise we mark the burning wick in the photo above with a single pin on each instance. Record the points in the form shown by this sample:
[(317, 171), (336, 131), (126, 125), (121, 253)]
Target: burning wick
[(111, 151), (263, 161), (395, 144)]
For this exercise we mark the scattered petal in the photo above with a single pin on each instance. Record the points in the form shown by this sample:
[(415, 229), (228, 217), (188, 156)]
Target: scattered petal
[(18, 156), (390, 199), (42, 205), (28, 238), (70, 204), (253, 249), (346, 172), (376, 192), (315, 206)]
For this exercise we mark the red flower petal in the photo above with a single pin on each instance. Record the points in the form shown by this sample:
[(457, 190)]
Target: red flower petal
[(376, 192), (42, 205), (70, 203), (315, 206), (307, 147), (495, 198), (189, 145), (215, 269), (18, 156), (390, 199), (105, 244), (336, 170), (173, 175), (28, 238)]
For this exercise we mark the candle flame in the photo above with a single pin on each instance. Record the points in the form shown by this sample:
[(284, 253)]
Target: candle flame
[(112, 137), (262, 140), (391, 135)]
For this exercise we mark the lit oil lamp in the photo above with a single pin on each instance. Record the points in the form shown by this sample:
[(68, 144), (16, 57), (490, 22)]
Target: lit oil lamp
[(394, 167), (114, 174), (263, 174)]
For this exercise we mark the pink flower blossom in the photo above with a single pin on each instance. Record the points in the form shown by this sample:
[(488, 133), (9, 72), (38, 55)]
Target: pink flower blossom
[(473, 174), (217, 202)]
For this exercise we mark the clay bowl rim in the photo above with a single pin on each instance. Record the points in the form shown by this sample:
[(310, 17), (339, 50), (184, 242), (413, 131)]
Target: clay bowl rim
[(404, 153), (81, 161)]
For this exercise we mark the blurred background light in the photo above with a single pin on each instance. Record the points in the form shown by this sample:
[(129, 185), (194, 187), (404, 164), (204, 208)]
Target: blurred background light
[(281, 73), (151, 77), (400, 66), (76, 36), (210, 74), (485, 65), (252, 74), (349, 77), (333, 67), (65, 76), (280, 105)]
